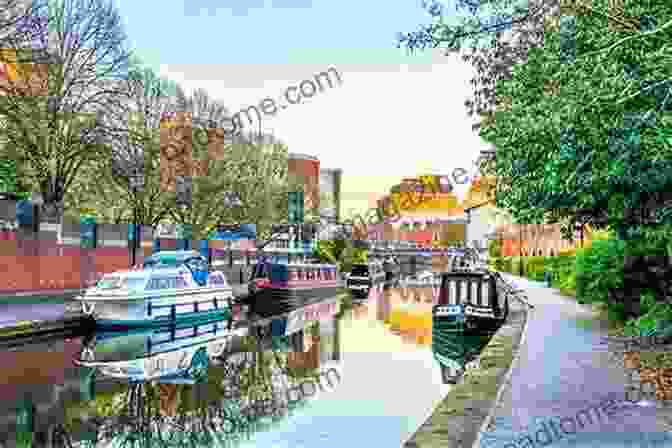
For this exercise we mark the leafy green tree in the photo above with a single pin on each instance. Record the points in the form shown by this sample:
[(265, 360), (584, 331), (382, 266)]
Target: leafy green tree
[(584, 134)]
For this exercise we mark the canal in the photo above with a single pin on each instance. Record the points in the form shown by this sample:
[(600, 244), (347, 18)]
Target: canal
[(351, 373)]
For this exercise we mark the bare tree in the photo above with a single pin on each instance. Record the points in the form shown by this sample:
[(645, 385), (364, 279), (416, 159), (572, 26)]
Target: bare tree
[(52, 111)]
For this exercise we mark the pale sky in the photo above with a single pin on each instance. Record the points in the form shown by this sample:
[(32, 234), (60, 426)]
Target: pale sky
[(394, 115)]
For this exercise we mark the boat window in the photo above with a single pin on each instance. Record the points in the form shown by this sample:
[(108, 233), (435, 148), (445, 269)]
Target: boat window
[(163, 283), (360, 271), (134, 283), (109, 282)]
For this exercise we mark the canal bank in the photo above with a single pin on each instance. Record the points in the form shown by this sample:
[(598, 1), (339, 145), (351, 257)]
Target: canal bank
[(457, 420), (37, 314)]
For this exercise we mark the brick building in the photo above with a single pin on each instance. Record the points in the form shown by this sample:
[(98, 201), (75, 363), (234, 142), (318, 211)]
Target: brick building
[(307, 168)]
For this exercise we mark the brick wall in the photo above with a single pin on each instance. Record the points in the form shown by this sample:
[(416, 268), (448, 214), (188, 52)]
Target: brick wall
[(47, 265)]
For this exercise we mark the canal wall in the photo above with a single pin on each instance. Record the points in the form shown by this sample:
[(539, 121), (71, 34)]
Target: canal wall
[(459, 417), (44, 266)]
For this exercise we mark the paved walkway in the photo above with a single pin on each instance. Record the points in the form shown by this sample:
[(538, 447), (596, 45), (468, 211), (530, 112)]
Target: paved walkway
[(562, 370)]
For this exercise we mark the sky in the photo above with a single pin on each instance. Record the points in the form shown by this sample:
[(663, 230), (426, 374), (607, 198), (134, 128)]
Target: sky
[(394, 115)]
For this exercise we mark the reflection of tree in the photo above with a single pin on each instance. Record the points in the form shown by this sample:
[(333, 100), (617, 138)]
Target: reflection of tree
[(243, 393)]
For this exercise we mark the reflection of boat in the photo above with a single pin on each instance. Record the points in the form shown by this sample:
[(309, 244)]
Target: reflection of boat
[(178, 355), (470, 300), (365, 276), (424, 279), (455, 351), (172, 286), (280, 287)]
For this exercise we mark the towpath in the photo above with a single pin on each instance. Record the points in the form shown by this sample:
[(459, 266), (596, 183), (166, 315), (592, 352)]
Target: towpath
[(563, 369)]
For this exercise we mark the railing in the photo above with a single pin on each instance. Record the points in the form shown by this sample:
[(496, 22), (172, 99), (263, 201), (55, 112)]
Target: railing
[(510, 291)]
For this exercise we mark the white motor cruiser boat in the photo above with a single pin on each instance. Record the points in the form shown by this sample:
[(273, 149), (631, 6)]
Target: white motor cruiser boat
[(173, 286)]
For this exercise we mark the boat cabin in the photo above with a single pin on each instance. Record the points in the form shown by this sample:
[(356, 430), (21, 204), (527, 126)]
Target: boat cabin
[(196, 263), (294, 273), (371, 270)]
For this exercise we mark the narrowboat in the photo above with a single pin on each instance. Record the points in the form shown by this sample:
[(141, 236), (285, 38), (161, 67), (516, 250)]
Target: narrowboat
[(470, 301), (363, 277), (172, 286), (278, 287), (392, 269)]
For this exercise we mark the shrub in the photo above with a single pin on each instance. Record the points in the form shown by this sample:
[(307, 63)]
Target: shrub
[(599, 268), (497, 263), (495, 249), (506, 264), (516, 263)]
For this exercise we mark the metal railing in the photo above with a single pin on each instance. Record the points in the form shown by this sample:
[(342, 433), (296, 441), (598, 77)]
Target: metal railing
[(511, 291)]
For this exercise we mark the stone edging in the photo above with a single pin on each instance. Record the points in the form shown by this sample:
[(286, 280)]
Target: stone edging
[(502, 386), (449, 427)]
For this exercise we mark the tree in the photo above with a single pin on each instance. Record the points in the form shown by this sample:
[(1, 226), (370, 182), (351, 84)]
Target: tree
[(107, 187), (51, 110), (500, 34), (594, 148), (259, 176)]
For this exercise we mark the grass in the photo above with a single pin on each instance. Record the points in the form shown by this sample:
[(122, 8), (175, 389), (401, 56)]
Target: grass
[(21, 328)]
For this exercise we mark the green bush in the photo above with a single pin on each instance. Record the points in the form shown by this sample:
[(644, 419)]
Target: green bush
[(516, 263), (506, 264), (598, 269), (495, 249), (562, 269), (535, 268), (499, 263), (655, 315)]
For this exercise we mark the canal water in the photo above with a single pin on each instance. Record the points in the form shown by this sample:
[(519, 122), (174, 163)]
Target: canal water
[(351, 373)]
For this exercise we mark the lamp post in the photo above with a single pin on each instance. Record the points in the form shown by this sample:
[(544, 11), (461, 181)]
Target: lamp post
[(520, 249), (137, 183)]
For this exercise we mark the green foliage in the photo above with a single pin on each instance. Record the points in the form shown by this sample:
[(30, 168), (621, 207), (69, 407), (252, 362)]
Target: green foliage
[(655, 316), (599, 268), (590, 144), (495, 248), (535, 267), (516, 264), (497, 263)]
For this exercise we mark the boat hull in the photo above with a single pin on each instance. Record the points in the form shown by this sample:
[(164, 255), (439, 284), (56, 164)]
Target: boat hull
[(120, 312), (267, 302)]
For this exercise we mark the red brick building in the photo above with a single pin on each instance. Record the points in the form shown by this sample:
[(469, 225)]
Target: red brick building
[(308, 169)]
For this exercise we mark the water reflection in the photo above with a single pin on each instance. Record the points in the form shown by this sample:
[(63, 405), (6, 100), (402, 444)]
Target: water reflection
[(292, 379)]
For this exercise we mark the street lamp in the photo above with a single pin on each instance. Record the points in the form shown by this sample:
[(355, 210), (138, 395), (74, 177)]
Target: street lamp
[(137, 183), (520, 249)]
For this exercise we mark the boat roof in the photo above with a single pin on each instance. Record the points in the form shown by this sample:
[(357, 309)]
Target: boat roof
[(174, 255)]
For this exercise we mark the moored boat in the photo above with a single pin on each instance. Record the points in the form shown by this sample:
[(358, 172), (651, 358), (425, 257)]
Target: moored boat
[(365, 276), (392, 269), (173, 286), (277, 287), (470, 300)]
